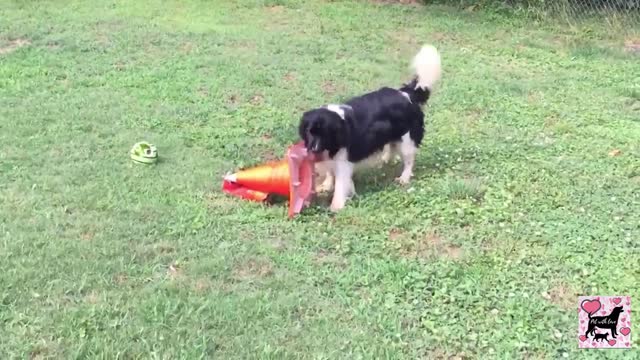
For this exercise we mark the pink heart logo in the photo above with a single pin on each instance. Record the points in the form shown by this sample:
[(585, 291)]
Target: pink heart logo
[(602, 312), (617, 300), (612, 342), (590, 306), (583, 338), (625, 331), (626, 344)]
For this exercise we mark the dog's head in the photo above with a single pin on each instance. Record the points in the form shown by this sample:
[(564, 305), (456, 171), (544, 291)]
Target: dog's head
[(617, 310), (323, 130)]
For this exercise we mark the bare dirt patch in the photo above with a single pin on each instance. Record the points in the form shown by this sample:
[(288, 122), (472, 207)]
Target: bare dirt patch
[(329, 87), (401, 2), (327, 258), (276, 9), (233, 100), (103, 39), (175, 272), (120, 279), (407, 38), (246, 46), (45, 349), (425, 246), (439, 354), (278, 244), (632, 46), (452, 251), (92, 298), (474, 115), (52, 45), (13, 45), (530, 355), (202, 285), (187, 47), (257, 99), (120, 66), (395, 234), (562, 295), (289, 77), (202, 92), (615, 152), (161, 248), (253, 269), (151, 251), (219, 202), (268, 155)]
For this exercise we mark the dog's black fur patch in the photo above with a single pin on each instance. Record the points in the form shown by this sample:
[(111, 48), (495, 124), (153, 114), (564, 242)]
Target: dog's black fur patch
[(371, 121)]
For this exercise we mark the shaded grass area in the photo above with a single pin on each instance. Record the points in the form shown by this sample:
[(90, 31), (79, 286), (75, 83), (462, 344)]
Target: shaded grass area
[(525, 192)]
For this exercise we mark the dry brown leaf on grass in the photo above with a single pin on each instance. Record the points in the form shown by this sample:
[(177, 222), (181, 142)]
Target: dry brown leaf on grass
[(615, 152)]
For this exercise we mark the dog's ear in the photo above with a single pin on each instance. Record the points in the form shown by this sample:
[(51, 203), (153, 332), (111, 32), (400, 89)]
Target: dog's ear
[(303, 127)]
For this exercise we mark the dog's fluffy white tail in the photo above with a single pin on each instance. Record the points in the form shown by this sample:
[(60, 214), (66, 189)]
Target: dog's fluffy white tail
[(426, 65)]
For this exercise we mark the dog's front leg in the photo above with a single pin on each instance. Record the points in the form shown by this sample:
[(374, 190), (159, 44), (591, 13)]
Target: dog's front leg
[(344, 187), (325, 172), (388, 154)]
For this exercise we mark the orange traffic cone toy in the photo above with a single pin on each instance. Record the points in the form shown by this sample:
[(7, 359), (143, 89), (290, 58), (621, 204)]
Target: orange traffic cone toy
[(291, 177)]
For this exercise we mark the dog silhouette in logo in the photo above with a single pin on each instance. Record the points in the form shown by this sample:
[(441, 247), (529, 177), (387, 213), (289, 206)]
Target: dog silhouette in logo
[(609, 322), (600, 337)]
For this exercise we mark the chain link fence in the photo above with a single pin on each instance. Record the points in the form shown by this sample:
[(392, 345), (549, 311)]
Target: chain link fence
[(621, 17), (624, 14), (617, 16)]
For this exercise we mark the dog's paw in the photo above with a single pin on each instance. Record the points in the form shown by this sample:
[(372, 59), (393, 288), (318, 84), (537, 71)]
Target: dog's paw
[(336, 207), (324, 188), (385, 158), (403, 180), (337, 204)]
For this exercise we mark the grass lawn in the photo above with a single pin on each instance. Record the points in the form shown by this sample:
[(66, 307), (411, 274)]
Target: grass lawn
[(525, 195)]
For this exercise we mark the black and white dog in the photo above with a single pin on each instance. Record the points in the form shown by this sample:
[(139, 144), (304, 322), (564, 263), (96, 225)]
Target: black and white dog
[(379, 124)]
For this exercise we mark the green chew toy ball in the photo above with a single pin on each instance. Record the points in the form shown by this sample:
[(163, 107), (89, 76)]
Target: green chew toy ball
[(143, 152)]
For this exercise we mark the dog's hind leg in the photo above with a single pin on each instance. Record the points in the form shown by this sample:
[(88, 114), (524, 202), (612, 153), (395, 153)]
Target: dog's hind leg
[(389, 153), (408, 152)]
